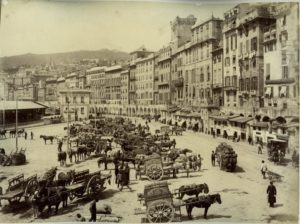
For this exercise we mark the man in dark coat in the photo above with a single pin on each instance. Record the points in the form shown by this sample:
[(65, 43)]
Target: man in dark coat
[(271, 191), (125, 177), (93, 210), (213, 158), (60, 143)]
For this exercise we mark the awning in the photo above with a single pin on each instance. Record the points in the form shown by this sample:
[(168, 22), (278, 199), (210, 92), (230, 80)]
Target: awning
[(22, 105), (219, 118), (194, 115), (268, 91), (261, 124), (241, 119), (283, 91)]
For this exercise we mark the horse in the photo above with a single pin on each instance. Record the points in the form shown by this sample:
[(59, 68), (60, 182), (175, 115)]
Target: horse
[(62, 157), (3, 133), (72, 153), (21, 131), (54, 196), (194, 189), (12, 133), (202, 202), (45, 137)]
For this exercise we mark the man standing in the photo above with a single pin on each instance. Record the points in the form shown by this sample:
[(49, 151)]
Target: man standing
[(213, 158), (60, 143), (25, 135), (93, 210), (263, 168), (259, 151), (271, 191), (125, 177), (31, 134)]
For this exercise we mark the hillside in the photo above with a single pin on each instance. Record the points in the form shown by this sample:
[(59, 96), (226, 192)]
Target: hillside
[(67, 57)]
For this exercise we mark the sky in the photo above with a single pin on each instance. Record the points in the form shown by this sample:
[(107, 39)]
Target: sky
[(53, 26)]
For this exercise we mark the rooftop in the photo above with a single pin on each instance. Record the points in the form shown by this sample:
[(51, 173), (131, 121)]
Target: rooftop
[(22, 105)]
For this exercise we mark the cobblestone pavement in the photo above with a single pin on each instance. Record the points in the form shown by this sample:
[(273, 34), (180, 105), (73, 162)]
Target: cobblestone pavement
[(243, 192)]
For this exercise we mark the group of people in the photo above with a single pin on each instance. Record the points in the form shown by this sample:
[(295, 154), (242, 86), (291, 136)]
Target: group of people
[(25, 135), (122, 175)]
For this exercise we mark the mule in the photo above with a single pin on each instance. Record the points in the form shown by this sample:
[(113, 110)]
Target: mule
[(62, 157), (202, 202), (46, 138), (53, 197), (3, 133), (194, 189)]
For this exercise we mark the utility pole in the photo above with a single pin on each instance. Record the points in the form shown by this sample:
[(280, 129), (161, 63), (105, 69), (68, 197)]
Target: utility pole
[(68, 122), (17, 122)]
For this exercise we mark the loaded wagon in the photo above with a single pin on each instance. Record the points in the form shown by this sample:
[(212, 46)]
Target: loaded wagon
[(156, 166), (226, 157), (159, 202), (84, 183), (15, 158), (19, 187), (276, 150)]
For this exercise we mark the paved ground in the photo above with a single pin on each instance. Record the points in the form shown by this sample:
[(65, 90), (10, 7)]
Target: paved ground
[(243, 193)]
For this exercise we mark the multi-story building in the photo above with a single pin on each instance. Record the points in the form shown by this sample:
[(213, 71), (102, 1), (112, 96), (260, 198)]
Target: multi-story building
[(205, 37), (113, 84), (177, 76), (145, 79), (124, 87), (72, 80), (217, 76), (243, 56), (281, 61), (75, 103), (96, 78), (163, 76), (135, 56), (51, 89)]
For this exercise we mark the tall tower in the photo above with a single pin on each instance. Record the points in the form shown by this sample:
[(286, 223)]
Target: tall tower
[(181, 30)]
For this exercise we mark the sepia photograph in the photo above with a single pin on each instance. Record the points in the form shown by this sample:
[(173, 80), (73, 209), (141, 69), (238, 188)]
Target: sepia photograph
[(150, 111)]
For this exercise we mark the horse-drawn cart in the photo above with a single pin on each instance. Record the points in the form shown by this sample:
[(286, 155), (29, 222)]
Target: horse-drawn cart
[(226, 157), (19, 187), (160, 206), (153, 168), (15, 158), (85, 183), (159, 202)]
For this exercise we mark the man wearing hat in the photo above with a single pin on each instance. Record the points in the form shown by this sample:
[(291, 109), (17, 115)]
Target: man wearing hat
[(271, 191)]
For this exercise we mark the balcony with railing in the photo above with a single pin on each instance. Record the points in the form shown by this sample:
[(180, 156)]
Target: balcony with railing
[(217, 86), (132, 78), (270, 34), (178, 82), (163, 83)]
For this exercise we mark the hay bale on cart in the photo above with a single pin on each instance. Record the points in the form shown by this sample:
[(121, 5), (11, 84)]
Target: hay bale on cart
[(226, 157)]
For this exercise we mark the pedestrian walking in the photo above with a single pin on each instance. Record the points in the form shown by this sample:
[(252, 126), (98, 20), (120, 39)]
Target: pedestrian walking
[(125, 177), (259, 151), (199, 162), (116, 171), (263, 169), (34, 203), (213, 158), (31, 134), (93, 210), (25, 135), (59, 148), (272, 192)]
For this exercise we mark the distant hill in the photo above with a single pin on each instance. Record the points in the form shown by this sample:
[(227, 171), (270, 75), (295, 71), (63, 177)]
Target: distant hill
[(67, 57)]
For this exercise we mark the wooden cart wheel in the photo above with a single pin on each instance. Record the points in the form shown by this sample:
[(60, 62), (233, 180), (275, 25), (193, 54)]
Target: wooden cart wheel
[(160, 211), (31, 187), (94, 185), (154, 172)]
